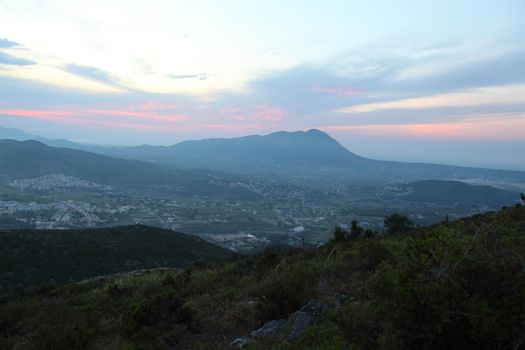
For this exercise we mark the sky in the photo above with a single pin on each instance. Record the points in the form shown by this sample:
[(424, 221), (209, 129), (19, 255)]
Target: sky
[(427, 81)]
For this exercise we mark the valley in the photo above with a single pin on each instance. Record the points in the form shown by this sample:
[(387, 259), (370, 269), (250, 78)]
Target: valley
[(301, 186), (275, 214)]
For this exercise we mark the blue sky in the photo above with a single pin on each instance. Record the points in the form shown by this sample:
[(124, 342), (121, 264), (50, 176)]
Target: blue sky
[(435, 81)]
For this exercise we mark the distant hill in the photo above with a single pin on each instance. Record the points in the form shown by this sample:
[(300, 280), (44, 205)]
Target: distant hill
[(29, 159), (37, 257), (15, 134), (453, 192), (19, 135)]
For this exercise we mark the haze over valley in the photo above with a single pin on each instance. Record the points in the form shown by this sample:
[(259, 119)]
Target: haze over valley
[(242, 193)]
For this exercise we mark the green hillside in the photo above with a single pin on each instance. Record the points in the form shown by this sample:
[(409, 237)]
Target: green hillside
[(452, 285), (38, 257)]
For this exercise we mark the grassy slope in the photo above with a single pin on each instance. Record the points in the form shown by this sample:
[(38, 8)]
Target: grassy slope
[(458, 285), (37, 257)]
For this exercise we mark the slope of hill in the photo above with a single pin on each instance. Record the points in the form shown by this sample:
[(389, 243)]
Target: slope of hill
[(38, 257), (19, 135), (30, 159), (15, 134), (452, 192), (457, 285)]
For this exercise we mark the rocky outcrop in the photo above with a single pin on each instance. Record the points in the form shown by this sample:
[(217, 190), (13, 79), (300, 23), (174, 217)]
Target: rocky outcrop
[(240, 343), (271, 329), (304, 318), (285, 329)]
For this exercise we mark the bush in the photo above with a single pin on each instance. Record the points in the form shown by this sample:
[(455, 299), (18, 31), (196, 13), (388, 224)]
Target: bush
[(286, 290), (398, 223)]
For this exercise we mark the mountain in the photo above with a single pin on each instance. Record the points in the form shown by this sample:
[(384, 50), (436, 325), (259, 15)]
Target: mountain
[(452, 285), (299, 149), (308, 156), (37, 257), (15, 134), (19, 135), (452, 192), (279, 150), (30, 159)]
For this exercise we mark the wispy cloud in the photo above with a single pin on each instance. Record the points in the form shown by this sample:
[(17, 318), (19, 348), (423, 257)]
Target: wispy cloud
[(14, 61), (512, 94), (94, 73), (5, 43), (199, 76)]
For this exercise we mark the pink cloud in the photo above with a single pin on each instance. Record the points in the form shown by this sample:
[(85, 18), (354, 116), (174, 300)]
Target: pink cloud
[(509, 128), (229, 110), (137, 114), (340, 91), (73, 117), (34, 113), (155, 106)]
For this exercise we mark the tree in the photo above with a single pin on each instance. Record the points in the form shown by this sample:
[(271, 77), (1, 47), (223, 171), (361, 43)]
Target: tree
[(355, 229), (339, 234), (397, 223)]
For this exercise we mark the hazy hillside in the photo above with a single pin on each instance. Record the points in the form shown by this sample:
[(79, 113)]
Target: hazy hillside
[(458, 285), (37, 257), (452, 192), (15, 134), (30, 159)]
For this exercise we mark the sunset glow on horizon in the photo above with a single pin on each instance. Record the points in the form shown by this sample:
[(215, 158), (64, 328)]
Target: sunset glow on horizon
[(370, 73)]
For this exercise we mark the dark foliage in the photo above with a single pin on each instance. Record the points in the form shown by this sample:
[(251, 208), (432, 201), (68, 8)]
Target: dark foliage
[(454, 285), (398, 223)]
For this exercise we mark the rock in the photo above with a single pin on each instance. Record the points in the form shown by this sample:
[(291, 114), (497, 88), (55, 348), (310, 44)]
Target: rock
[(304, 318), (240, 343), (271, 329), (340, 298)]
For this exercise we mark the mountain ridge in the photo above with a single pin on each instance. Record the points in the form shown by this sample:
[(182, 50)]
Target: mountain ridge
[(310, 156)]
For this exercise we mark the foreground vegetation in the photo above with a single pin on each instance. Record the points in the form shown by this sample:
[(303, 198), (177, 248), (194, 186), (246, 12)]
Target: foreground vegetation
[(456, 285)]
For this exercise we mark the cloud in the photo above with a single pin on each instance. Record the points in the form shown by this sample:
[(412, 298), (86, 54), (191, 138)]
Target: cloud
[(341, 91), (510, 94), (260, 113), (4, 43), (199, 76), (94, 73), (306, 96), (14, 61), (504, 69), (502, 128)]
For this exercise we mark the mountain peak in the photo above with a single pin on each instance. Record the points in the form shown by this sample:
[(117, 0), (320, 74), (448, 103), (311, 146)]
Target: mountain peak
[(306, 135), (317, 132)]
